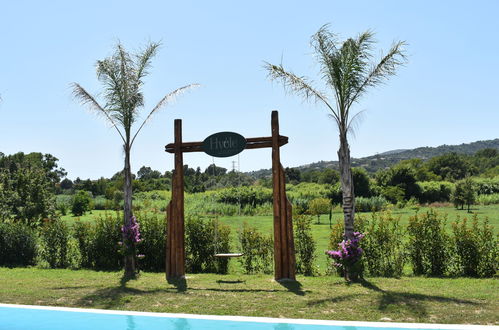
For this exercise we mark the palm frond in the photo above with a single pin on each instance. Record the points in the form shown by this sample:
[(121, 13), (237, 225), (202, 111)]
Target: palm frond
[(144, 59), (170, 97), (385, 68), (88, 100), (296, 84), (354, 122)]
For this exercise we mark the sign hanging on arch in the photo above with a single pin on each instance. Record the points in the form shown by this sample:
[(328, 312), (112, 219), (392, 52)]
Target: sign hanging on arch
[(224, 144)]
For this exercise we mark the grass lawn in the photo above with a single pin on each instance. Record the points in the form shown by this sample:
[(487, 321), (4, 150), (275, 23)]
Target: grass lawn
[(409, 299)]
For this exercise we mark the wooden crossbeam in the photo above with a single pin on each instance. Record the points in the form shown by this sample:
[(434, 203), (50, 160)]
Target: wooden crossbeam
[(251, 143)]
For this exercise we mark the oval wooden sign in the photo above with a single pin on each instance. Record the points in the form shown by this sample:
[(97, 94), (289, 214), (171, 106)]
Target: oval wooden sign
[(224, 144)]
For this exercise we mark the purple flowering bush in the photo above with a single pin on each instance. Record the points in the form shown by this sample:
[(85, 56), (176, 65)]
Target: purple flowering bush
[(131, 237), (131, 231), (348, 256)]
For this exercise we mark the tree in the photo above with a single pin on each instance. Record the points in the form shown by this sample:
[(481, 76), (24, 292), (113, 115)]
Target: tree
[(146, 173), (27, 187), (451, 166), (81, 203), (318, 206), (122, 75), (464, 193), (347, 70)]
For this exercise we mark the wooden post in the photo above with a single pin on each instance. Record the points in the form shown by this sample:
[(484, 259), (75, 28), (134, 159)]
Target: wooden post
[(284, 255), (175, 256)]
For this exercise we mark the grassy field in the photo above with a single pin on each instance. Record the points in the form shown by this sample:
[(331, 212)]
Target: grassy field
[(409, 299)]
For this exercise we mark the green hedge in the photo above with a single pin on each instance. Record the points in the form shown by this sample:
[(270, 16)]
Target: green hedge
[(18, 245)]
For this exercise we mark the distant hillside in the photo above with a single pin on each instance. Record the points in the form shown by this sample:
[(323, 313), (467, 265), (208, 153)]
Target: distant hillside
[(389, 158)]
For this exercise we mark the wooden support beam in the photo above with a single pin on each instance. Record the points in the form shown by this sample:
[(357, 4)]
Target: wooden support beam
[(251, 143), (175, 263)]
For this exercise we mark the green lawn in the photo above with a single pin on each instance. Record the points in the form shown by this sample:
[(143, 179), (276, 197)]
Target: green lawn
[(409, 299)]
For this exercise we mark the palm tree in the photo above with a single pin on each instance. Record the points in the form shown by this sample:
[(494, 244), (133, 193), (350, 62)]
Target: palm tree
[(348, 71), (122, 76)]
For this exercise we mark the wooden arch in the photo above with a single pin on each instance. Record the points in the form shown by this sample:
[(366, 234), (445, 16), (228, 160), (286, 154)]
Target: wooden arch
[(284, 250)]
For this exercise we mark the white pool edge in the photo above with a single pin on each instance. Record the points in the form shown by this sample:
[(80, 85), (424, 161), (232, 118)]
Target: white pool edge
[(264, 319)]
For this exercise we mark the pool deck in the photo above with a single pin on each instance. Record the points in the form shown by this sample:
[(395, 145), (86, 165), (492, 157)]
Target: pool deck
[(265, 319)]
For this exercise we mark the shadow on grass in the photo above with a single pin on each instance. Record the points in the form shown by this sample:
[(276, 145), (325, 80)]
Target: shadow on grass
[(292, 286), (412, 302), (230, 282), (179, 283), (113, 297)]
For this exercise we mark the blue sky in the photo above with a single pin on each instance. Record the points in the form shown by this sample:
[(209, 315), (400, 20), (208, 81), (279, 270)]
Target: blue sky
[(446, 94)]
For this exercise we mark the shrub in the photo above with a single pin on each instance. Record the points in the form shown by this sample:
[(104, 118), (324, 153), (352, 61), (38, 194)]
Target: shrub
[(435, 191), (258, 251), (203, 240), (81, 203), (101, 203), (104, 247), (84, 234), (54, 238), (429, 245), (63, 203), (384, 251), (348, 257), (476, 248), (487, 186), (152, 246), (488, 199), (371, 204), (17, 245), (304, 245)]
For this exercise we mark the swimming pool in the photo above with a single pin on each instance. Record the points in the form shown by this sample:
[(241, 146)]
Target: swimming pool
[(21, 317)]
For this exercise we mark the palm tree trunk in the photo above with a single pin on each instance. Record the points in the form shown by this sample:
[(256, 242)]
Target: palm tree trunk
[(346, 186), (130, 248), (350, 272)]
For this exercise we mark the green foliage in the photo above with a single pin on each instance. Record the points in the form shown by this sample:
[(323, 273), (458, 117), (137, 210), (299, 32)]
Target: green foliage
[(54, 238), (319, 206), (258, 250), (477, 248), (429, 244), (393, 194), (152, 246), (451, 166), (464, 193), (205, 238), (400, 176), (101, 203), (371, 204), (384, 250), (81, 203), (488, 199), (26, 194), (245, 196), (84, 234), (361, 182), (435, 191), (104, 247), (307, 191), (18, 245), (63, 203), (304, 245), (487, 186)]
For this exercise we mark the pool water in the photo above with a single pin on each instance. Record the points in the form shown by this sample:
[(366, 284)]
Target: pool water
[(15, 317)]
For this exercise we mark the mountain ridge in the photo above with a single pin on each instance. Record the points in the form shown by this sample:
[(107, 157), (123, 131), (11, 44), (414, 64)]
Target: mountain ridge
[(389, 158)]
